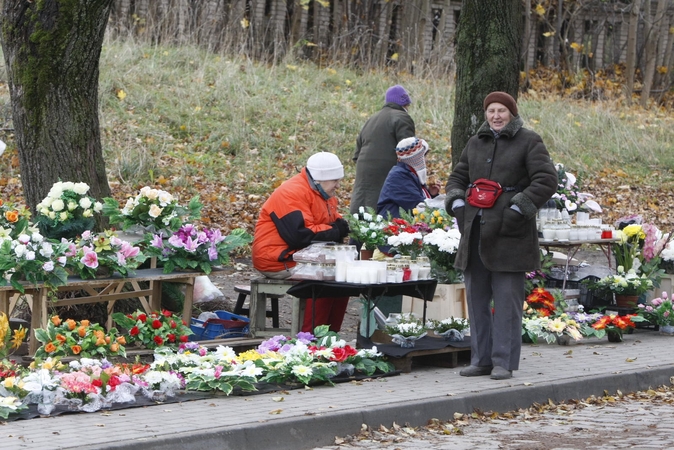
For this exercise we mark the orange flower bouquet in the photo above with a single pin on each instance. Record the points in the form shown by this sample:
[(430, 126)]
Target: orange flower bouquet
[(72, 338), (612, 324)]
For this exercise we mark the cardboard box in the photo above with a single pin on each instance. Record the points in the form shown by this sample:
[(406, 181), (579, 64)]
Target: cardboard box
[(449, 301)]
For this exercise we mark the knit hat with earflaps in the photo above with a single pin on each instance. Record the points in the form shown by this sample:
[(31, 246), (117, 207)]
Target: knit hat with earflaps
[(412, 151), (325, 166)]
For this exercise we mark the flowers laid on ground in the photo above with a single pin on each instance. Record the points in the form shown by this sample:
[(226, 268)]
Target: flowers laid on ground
[(70, 338), (153, 330), (10, 340), (67, 211), (89, 384), (623, 283), (366, 227), (153, 210), (94, 253), (568, 196), (658, 311), (604, 324), (34, 259), (193, 249), (543, 318), (13, 220)]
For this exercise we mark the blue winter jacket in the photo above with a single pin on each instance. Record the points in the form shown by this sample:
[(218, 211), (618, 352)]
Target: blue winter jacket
[(402, 189)]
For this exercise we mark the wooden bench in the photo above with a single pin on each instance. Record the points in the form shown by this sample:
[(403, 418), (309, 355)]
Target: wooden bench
[(244, 291)]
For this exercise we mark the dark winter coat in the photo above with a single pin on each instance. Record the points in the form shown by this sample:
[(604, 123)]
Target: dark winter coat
[(518, 158), (402, 189), (376, 152)]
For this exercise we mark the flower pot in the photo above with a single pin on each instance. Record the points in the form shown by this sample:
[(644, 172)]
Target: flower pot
[(626, 301), (667, 330), (366, 255), (614, 336)]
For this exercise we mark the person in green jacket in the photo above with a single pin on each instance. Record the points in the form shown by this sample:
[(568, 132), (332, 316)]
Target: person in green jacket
[(376, 147)]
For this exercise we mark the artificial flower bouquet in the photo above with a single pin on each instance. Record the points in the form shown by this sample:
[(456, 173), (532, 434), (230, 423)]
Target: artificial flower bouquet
[(13, 220), (67, 211), (441, 245), (153, 330), (153, 210), (192, 249), (34, 259), (550, 328), (78, 338), (203, 370), (103, 253), (10, 340), (622, 283), (366, 227), (568, 195), (405, 238), (658, 311), (453, 329), (406, 330)]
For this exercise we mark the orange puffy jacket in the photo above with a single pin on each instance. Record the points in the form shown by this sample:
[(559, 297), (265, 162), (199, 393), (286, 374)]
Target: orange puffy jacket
[(289, 221)]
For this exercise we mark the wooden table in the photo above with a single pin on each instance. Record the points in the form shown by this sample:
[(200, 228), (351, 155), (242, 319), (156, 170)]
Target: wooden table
[(98, 291)]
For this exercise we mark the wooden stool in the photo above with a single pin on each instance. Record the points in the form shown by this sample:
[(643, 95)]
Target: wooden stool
[(260, 290), (244, 291)]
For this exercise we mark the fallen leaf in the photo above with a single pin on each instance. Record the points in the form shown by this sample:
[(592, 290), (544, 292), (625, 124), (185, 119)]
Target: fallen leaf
[(278, 399), (276, 411)]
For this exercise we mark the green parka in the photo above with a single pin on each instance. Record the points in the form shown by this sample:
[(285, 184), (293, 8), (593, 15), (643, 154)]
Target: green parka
[(376, 152), (518, 158)]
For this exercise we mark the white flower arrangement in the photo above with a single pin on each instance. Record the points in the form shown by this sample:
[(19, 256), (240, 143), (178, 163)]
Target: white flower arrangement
[(67, 210)]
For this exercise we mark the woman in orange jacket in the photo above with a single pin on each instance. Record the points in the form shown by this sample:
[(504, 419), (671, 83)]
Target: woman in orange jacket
[(301, 211)]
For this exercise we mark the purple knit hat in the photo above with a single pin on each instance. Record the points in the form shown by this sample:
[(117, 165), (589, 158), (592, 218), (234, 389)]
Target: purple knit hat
[(398, 95)]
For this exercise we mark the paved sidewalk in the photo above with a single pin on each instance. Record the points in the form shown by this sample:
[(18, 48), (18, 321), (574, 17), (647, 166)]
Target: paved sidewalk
[(308, 418)]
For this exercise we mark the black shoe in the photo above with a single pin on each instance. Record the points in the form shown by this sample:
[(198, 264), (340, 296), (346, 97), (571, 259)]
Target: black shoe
[(475, 371), (499, 373)]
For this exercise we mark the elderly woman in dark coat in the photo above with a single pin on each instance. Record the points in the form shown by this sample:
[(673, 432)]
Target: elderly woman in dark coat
[(376, 147), (499, 244)]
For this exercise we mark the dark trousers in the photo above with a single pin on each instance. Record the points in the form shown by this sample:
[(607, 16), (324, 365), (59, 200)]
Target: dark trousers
[(496, 336)]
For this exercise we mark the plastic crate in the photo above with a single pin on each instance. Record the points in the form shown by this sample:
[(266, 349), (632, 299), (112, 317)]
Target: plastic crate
[(227, 325)]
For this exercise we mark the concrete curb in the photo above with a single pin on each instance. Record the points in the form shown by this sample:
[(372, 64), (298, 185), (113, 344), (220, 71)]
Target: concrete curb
[(319, 430)]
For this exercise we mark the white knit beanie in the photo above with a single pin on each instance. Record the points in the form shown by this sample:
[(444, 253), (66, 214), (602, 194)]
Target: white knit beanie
[(325, 166)]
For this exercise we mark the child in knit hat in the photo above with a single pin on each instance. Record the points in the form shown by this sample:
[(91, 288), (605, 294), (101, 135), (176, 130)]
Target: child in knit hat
[(406, 184)]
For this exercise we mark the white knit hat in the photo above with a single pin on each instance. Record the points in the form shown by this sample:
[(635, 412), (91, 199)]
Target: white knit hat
[(325, 166)]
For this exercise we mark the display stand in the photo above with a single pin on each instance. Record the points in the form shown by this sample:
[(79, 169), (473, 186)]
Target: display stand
[(572, 247), (100, 290)]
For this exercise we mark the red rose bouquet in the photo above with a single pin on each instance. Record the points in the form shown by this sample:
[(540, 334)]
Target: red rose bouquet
[(153, 330)]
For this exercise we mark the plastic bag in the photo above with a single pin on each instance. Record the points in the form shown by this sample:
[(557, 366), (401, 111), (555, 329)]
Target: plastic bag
[(205, 290)]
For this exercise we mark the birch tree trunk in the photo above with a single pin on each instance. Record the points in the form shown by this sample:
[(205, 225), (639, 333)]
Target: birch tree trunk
[(52, 51)]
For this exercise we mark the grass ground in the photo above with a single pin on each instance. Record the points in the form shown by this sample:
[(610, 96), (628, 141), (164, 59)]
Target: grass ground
[(232, 130)]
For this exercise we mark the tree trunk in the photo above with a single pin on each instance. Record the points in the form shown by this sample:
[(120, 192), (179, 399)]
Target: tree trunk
[(52, 50), (488, 42), (652, 37), (630, 63)]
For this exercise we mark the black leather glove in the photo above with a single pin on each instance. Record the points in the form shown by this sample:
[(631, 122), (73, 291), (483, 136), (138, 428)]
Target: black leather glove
[(343, 227), (328, 235)]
